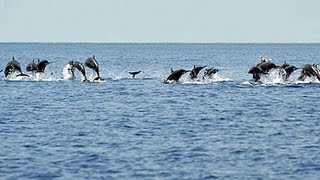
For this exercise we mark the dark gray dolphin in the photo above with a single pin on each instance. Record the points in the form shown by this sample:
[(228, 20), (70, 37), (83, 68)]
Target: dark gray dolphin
[(12, 67), (284, 65), (211, 71), (309, 70), (261, 68), (32, 66), (267, 66), (92, 63), (175, 75), (256, 72), (288, 71), (41, 65), (134, 73), (81, 69), (195, 71)]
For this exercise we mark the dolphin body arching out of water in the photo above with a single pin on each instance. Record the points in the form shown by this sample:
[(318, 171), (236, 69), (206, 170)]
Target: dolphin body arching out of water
[(309, 70), (195, 71), (288, 71), (41, 65), (12, 67), (37, 67), (70, 68), (81, 69), (32, 67), (175, 75), (210, 72), (262, 68), (92, 63)]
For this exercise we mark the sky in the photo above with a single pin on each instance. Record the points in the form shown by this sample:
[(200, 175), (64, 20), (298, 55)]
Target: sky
[(207, 21)]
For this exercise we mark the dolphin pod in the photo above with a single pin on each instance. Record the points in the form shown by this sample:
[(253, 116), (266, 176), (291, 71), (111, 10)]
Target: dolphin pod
[(37, 67), (72, 65), (264, 67), (90, 62), (310, 70)]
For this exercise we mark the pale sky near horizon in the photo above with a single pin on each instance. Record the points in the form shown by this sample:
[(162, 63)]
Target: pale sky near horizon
[(159, 21)]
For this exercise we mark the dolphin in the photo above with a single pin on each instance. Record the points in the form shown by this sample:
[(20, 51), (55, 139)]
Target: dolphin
[(175, 75), (41, 65), (12, 67), (267, 66), (134, 73), (256, 72), (92, 63), (211, 71), (309, 70), (32, 66), (195, 71), (262, 68), (288, 71), (81, 69), (284, 65)]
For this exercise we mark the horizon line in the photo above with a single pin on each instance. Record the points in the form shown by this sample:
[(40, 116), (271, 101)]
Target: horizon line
[(159, 42)]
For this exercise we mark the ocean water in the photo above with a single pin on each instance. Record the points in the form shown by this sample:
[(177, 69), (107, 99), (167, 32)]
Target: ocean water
[(124, 128)]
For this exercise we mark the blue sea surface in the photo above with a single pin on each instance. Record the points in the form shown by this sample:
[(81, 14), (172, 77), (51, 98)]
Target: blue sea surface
[(142, 128)]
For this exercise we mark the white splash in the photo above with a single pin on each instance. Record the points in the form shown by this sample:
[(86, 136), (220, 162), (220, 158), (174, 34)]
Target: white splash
[(68, 73)]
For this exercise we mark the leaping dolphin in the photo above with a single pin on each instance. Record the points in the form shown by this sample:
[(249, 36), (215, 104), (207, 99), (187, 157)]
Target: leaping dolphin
[(211, 71), (267, 66), (92, 63), (309, 70), (175, 75), (261, 68), (32, 66), (81, 69), (42, 65), (12, 67), (288, 71), (195, 71)]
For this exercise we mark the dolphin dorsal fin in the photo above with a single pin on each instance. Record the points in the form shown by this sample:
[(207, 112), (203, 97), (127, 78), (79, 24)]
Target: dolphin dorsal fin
[(94, 57), (12, 57), (172, 70), (38, 60)]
